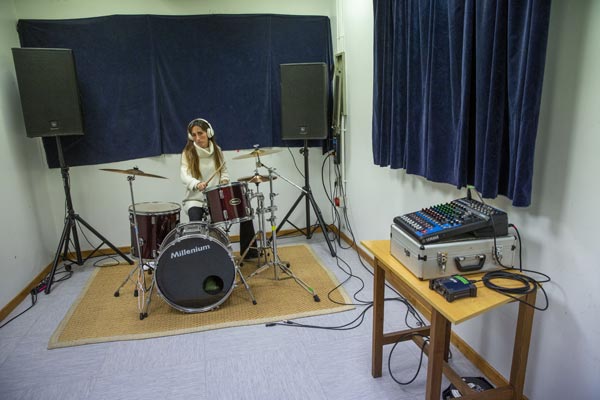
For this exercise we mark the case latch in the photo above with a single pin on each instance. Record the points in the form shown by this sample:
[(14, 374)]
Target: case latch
[(442, 259)]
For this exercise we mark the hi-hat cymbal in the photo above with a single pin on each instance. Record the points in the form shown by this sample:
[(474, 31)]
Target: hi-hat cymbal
[(255, 179), (133, 171), (257, 153)]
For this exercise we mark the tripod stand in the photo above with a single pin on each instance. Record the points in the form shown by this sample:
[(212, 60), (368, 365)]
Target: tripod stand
[(310, 201), (70, 227)]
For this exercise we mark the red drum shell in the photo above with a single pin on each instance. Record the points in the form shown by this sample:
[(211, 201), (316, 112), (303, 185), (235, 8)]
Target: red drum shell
[(155, 220), (229, 203)]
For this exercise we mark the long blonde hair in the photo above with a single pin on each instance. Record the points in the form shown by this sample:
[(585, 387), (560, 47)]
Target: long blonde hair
[(191, 156)]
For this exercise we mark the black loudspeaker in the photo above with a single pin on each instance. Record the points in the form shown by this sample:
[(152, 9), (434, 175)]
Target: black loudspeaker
[(304, 94), (49, 93)]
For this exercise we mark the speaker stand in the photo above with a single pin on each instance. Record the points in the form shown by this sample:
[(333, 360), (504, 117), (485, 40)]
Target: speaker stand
[(70, 227), (309, 201)]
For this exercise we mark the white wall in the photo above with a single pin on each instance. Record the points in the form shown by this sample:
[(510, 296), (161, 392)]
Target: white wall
[(559, 229), (35, 194), (25, 238)]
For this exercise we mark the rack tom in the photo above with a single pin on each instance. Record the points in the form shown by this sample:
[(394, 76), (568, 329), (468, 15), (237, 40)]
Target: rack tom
[(229, 203)]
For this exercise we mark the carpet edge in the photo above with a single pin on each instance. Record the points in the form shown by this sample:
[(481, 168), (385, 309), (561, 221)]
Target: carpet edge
[(53, 342)]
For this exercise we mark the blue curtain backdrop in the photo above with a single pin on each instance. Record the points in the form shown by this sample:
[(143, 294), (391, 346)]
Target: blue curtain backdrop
[(457, 90), (142, 78)]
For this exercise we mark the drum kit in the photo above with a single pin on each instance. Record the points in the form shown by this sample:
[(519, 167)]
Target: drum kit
[(192, 264)]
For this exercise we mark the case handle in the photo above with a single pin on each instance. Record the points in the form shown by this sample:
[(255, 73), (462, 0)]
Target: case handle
[(479, 261)]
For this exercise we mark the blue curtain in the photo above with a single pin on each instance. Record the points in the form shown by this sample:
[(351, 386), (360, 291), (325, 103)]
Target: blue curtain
[(142, 78), (457, 90)]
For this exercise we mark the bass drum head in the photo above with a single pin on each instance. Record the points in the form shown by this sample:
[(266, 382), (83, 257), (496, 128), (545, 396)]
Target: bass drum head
[(195, 273)]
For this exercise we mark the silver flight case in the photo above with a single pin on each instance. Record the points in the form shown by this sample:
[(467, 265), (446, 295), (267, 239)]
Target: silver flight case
[(461, 256)]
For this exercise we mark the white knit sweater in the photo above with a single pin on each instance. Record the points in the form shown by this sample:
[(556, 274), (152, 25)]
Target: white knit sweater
[(194, 197)]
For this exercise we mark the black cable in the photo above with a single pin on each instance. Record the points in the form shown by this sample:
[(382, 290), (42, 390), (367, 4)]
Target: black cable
[(425, 342), (519, 240), (527, 283), (356, 322), (33, 302), (349, 272), (294, 160), (107, 257), (521, 269), (353, 244), (66, 272)]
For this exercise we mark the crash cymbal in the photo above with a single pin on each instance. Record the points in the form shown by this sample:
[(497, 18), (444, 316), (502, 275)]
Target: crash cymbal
[(133, 171), (257, 153), (255, 179)]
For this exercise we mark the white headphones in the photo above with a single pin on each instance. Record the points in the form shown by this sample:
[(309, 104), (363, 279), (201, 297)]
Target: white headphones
[(209, 132)]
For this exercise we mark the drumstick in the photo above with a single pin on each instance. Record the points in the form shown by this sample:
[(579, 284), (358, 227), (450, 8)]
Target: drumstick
[(214, 173)]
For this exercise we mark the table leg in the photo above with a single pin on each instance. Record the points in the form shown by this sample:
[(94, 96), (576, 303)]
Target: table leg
[(521, 348), (447, 341), (378, 311), (438, 346)]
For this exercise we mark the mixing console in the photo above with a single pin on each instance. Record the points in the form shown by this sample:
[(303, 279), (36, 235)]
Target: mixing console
[(459, 217)]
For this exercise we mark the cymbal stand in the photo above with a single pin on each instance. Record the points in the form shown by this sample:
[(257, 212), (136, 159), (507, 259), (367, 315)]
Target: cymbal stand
[(276, 262), (140, 282)]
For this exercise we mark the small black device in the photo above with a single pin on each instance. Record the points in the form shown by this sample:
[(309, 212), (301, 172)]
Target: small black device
[(476, 383), (458, 217), (453, 287)]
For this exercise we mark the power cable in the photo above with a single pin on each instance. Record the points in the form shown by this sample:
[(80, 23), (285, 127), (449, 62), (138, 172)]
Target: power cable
[(356, 322)]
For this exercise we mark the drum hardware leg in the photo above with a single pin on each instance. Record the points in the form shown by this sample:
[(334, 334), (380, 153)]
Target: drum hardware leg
[(146, 267), (284, 267), (237, 270), (135, 293), (256, 247), (146, 308)]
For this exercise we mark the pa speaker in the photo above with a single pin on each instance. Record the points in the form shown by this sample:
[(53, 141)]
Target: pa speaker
[(49, 93), (304, 94)]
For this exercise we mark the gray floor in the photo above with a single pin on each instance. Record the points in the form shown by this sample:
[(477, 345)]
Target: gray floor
[(252, 362)]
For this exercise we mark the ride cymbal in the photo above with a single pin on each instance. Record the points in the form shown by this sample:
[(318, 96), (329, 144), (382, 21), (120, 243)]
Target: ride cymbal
[(257, 153), (133, 171), (255, 179)]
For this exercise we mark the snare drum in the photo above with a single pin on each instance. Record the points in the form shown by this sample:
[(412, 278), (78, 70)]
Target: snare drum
[(195, 270), (155, 220), (229, 203)]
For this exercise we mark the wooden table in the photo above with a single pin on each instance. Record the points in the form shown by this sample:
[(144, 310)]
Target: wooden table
[(443, 315)]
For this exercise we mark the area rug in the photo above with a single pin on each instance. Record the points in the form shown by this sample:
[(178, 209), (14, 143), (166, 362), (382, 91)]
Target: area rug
[(98, 316)]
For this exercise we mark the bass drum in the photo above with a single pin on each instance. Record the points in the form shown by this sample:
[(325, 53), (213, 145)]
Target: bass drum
[(195, 270)]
